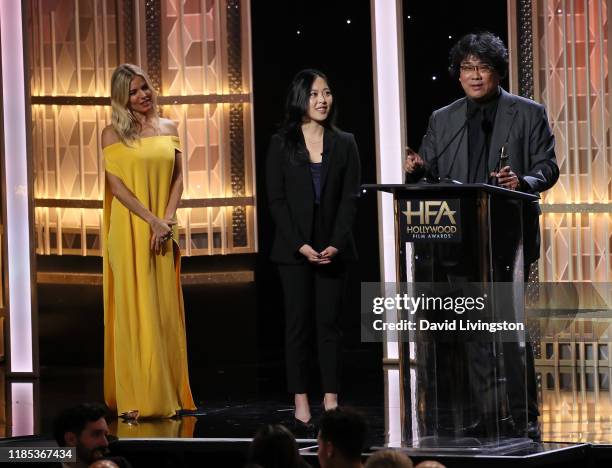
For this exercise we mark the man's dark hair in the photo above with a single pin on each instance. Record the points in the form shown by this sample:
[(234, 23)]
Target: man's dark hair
[(489, 48), (346, 429), (75, 419), (274, 446)]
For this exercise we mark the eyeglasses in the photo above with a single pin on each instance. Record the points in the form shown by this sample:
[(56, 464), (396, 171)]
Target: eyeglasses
[(483, 68)]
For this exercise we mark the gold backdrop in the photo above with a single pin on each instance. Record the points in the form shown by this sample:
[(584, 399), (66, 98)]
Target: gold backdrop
[(197, 53)]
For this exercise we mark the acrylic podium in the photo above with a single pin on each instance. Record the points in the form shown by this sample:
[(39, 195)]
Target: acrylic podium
[(461, 393)]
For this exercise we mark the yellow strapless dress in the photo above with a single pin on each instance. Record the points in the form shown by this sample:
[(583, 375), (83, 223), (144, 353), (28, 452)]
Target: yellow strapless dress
[(145, 349)]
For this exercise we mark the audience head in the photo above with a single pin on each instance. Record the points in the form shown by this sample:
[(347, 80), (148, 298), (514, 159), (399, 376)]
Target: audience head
[(430, 464), (389, 459), (85, 428), (104, 464), (342, 433), (274, 447)]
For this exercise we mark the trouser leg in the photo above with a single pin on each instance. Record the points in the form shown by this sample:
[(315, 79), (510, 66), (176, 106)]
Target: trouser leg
[(329, 286), (297, 283)]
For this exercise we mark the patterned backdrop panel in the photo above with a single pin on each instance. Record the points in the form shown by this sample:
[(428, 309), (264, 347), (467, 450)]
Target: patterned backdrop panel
[(193, 50), (202, 136), (574, 84), (194, 58), (74, 47)]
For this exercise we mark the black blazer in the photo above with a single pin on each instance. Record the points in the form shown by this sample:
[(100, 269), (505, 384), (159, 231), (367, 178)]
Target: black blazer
[(291, 197)]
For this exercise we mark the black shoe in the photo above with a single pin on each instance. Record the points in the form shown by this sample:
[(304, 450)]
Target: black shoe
[(530, 430), (304, 428), (533, 431)]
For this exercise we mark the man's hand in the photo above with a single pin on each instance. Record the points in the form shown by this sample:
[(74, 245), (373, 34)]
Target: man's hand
[(413, 161), (506, 178)]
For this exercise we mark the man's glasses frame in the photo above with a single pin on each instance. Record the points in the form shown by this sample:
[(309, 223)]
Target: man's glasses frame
[(482, 68)]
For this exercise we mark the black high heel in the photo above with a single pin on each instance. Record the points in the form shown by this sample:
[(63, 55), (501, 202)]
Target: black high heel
[(301, 426)]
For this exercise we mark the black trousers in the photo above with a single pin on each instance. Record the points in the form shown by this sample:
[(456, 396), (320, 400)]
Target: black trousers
[(312, 297)]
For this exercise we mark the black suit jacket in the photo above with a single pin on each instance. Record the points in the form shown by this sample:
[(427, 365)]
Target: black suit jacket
[(291, 197), (521, 125)]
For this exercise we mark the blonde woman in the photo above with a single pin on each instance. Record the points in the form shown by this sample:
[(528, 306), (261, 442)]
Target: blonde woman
[(145, 368)]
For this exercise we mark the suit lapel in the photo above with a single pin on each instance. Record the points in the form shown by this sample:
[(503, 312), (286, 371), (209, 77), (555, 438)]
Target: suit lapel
[(329, 140), (456, 159), (504, 119), (305, 175)]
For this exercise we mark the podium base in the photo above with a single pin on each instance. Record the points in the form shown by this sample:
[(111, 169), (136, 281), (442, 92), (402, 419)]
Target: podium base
[(470, 445)]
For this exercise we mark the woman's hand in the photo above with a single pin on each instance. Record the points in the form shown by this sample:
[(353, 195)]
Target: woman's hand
[(161, 233), (311, 254), (327, 255), (316, 258)]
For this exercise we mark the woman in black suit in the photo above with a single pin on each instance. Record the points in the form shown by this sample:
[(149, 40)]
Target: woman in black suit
[(312, 173)]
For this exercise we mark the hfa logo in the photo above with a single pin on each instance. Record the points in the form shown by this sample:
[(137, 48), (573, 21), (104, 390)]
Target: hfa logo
[(429, 209), (432, 220)]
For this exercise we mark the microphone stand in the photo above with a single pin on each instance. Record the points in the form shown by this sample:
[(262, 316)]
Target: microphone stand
[(432, 178)]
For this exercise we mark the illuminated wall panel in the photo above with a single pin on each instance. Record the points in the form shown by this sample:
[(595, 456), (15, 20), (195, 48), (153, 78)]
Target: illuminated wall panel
[(572, 79), (197, 54)]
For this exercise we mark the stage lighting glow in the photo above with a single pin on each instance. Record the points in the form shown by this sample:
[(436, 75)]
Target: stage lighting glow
[(389, 110), (16, 183), (22, 407)]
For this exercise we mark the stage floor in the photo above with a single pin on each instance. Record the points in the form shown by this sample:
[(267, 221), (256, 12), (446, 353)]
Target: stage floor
[(232, 412)]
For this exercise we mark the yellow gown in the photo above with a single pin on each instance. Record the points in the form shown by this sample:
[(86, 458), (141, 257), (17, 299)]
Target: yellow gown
[(145, 350)]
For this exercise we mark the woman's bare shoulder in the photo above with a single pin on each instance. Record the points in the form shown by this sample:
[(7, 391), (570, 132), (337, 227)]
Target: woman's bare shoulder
[(168, 127), (109, 136)]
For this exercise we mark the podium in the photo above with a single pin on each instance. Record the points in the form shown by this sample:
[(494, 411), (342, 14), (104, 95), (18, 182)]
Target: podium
[(464, 392)]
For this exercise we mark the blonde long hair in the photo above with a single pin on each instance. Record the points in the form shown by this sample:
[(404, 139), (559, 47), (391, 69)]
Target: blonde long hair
[(123, 119)]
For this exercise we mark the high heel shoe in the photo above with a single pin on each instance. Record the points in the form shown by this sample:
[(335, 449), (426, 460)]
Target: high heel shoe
[(130, 416), (303, 427)]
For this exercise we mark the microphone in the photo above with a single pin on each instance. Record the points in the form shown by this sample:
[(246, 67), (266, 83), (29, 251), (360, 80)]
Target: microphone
[(469, 115)]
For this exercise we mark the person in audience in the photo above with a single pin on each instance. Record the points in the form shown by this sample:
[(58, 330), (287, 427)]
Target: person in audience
[(430, 464), (104, 464), (84, 427), (341, 438), (389, 459), (275, 447)]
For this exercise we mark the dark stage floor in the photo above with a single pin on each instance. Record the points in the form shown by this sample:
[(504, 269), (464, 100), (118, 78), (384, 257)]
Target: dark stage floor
[(221, 416), (237, 377), (227, 420)]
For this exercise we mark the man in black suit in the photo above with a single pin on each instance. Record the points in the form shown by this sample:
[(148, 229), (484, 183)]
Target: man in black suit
[(464, 142)]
